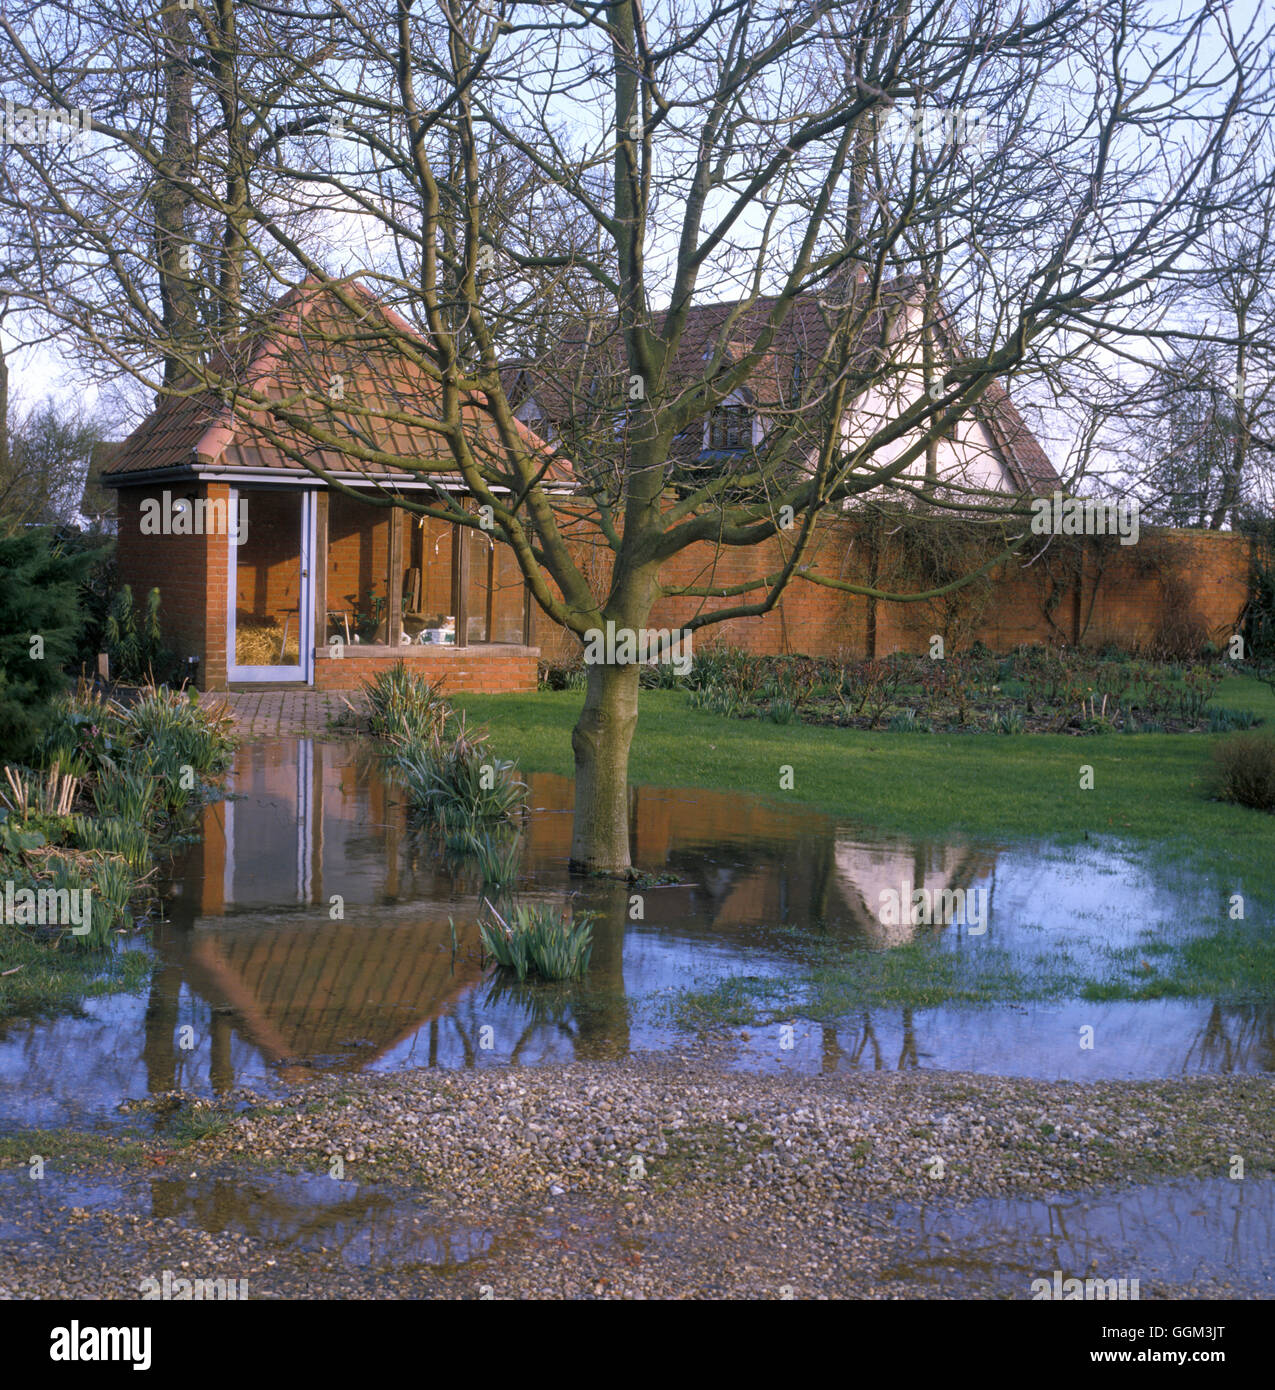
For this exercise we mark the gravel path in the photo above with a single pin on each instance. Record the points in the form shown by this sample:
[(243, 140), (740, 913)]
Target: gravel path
[(645, 1178)]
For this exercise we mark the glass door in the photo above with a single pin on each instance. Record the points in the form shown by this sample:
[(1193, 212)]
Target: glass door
[(270, 633)]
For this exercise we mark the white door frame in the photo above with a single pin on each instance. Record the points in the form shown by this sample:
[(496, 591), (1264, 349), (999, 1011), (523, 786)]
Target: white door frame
[(304, 671)]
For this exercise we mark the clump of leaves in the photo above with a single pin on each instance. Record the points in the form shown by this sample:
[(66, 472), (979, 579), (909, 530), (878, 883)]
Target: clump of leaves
[(539, 938), (455, 781), (403, 704)]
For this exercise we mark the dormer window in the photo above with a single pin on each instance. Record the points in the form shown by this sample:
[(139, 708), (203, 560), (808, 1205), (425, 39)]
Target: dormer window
[(730, 429)]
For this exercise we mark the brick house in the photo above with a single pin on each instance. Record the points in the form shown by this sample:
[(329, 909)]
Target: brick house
[(584, 386), (268, 571)]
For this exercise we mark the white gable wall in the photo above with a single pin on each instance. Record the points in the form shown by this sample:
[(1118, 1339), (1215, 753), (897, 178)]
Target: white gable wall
[(969, 459)]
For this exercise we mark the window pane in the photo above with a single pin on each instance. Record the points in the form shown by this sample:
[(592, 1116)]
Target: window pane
[(428, 613), (507, 598), (479, 592), (358, 563), (268, 563)]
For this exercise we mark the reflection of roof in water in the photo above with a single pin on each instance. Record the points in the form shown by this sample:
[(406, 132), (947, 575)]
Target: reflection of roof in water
[(312, 989)]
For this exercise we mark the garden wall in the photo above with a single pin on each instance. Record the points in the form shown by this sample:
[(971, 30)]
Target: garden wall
[(1172, 585)]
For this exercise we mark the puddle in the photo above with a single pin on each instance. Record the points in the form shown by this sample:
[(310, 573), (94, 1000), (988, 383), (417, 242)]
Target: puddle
[(365, 1226), (1204, 1237), (1214, 1234), (309, 929)]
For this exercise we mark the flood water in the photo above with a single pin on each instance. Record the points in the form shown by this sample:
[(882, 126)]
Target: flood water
[(1212, 1236), (311, 928)]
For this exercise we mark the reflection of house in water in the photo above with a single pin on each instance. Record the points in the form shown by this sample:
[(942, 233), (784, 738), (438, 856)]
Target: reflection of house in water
[(299, 922), (313, 925), (865, 871)]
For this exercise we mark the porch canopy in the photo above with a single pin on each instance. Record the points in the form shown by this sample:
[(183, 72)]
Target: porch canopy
[(285, 490)]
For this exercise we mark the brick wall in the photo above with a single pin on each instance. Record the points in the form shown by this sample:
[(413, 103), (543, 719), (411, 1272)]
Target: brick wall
[(212, 675), (482, 669), (175, 564), (1121, 594)]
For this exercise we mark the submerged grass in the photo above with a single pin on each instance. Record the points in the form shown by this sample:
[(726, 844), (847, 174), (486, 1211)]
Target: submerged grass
[(36, 982), (1146, 787), (1234, 967), (127, 781)]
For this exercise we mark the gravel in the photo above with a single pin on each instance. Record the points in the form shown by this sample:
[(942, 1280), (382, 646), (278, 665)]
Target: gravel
[(650, 1177)]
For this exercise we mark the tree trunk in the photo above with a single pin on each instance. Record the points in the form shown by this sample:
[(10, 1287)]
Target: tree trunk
[(601, 741)]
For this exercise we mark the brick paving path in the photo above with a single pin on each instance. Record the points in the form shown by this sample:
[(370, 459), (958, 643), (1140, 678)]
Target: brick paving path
[(270, 713)]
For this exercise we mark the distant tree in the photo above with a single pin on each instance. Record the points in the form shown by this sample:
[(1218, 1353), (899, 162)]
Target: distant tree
[(1201, 428), (42, 478)]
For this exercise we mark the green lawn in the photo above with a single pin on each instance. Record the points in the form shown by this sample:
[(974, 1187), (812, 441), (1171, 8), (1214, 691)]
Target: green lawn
[(1151, 787), (1149, 790)]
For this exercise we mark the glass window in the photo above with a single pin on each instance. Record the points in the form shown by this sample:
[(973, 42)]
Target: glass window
[(730, 427), (268, 570)]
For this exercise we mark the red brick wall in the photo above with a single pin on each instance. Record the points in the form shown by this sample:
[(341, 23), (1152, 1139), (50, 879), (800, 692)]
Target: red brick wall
[(212, 674), (1123, 595), (176, 565), (483, 670)]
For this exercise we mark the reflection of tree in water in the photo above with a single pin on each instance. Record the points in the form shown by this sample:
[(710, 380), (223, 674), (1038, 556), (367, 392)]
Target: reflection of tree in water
[(1235, 1037), (854, 1040)]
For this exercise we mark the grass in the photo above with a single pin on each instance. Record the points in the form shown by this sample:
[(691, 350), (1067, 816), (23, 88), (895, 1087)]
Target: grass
[(1151, 792), (44, 983), (1150, 787)]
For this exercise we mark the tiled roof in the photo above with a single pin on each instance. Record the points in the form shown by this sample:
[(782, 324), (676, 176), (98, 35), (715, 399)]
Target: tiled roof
[(587, 372), (308, 342)]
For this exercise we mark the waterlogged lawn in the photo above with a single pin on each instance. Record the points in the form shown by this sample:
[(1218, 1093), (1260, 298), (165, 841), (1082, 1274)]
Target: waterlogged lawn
[(1233, 967), (1149, 795), (1150, 787), (36, 982)]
